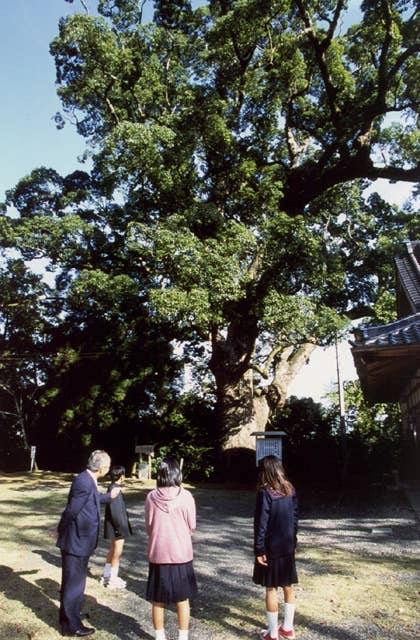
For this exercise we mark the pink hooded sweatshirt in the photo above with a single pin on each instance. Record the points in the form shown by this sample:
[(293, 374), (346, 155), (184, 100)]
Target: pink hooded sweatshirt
[(170, 520)]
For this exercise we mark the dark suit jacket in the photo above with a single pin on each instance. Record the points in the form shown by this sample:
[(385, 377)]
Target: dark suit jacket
[(80, 531)]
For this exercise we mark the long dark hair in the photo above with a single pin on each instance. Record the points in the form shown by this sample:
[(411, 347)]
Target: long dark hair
[(169, 473), (271, 474)]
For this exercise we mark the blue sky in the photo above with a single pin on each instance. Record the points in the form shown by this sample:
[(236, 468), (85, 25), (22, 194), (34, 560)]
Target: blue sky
[(29, 137), (28, 134)]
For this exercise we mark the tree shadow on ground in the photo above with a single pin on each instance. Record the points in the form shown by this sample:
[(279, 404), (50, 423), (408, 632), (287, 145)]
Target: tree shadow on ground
[(48, 557), (310, 630), (220, 612), (41, 598)]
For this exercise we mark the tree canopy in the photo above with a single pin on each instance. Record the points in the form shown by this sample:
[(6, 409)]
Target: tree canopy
[(231, 145)]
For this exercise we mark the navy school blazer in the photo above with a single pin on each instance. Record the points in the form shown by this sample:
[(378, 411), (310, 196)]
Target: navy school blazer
[(275, 524)]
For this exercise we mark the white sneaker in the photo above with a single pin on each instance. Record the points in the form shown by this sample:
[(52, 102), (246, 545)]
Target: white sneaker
[(116, 583), (103, 581)]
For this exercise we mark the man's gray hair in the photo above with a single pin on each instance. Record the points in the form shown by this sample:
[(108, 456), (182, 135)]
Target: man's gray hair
[(98, 460)]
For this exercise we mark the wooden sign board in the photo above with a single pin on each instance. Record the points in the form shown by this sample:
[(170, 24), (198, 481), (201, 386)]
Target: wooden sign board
[(268, 443), (146, 448)]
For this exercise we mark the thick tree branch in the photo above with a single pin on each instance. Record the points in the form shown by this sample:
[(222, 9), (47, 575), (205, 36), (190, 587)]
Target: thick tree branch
[(383, 58), (333, 24), (360, 311), (395, 174), (290, 363), (408, 53), (265, 370), (319, 50), (109, 103), (308, 182)]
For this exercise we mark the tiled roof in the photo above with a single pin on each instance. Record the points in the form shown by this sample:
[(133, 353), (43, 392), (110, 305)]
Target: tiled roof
[(408, 270), (401, 332), (387, 357)]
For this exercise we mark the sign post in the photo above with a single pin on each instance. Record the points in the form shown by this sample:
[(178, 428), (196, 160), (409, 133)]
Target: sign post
[(268, 443), (33, 453), (144, 469)]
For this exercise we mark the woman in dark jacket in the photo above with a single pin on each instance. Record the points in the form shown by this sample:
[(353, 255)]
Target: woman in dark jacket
[(275, 530), (117, 528)]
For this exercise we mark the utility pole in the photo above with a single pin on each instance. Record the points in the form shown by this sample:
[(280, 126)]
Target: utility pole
[(343, 431)]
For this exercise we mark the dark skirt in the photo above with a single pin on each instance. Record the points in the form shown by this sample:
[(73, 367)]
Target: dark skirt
[(168, 583), (280, 572)]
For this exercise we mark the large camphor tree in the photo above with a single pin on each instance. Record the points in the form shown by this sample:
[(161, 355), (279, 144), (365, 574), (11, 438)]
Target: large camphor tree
[(237, 140)]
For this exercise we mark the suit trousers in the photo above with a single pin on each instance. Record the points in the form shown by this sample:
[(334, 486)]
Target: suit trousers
[(73, 582)]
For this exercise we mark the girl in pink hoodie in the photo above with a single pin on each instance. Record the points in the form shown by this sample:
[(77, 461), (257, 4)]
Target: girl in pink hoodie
[(170, 520)]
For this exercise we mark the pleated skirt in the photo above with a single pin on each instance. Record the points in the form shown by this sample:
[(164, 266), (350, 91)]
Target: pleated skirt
[(280, 572), (169, 583)]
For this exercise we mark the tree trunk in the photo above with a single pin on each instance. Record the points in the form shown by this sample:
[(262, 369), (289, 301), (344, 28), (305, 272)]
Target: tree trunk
[(241, 408)]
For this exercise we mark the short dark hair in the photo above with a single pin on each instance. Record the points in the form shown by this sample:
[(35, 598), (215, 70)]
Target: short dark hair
[(169, 473), (116, 471)]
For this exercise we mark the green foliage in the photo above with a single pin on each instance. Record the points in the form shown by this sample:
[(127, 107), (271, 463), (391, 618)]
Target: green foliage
[(205, 273), (24, 321), (195, 459), (311, 452), (314, 449), (188, 428), (373, 423), (373, 433)]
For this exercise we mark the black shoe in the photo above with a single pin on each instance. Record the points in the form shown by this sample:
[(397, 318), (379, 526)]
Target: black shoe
[(80, 633)]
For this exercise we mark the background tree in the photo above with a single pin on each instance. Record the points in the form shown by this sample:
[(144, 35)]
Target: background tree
[(22, 359), (311, 446), (373, 434), (106, 367), (313, 443)]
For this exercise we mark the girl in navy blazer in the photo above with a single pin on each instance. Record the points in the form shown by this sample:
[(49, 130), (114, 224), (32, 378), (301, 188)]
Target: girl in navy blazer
[(117, 528), (275, 530)]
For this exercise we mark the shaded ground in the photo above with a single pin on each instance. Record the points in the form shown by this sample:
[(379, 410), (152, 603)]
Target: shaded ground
[(358, 565)]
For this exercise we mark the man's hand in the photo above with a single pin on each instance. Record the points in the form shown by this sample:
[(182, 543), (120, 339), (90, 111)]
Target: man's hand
[(114, 492)]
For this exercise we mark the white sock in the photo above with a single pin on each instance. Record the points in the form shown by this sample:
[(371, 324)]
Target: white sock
[(107, 570), (182, 634), (273, 623), (114, 572), (289, 614), (160, 634)]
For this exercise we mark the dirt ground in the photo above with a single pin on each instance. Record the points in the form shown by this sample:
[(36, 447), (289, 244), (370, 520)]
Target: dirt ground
[(358, 563)]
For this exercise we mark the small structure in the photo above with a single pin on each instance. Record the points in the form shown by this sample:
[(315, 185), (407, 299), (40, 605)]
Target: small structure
[(387, 359), (33, 459), (144, 465), (268, 443)]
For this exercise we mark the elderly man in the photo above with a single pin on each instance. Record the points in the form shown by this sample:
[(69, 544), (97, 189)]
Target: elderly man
[(78, 535)]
